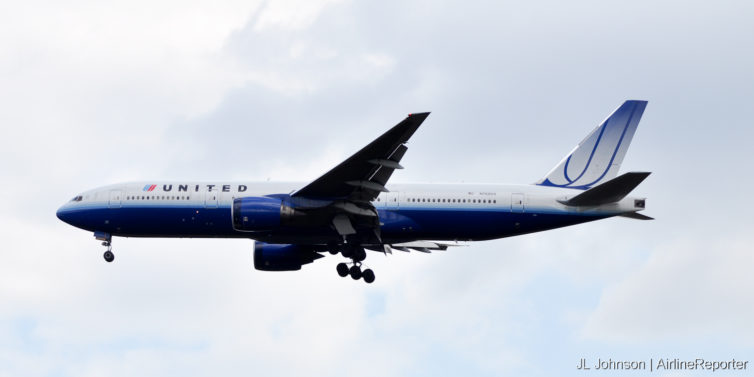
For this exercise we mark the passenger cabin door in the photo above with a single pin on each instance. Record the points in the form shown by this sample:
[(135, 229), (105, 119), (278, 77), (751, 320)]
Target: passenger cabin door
[(517, 203), (391, 200), (115, 198), (210, 199)]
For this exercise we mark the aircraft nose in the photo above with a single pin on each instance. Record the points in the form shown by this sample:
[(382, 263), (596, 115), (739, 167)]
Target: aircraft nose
[(63, 214)]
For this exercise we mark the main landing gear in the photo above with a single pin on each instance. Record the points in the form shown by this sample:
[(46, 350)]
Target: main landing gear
[(357, 254), (355, 272)]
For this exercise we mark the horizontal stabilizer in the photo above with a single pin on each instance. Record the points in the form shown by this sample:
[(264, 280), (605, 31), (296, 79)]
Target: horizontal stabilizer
[(609, 192), (636, 216)]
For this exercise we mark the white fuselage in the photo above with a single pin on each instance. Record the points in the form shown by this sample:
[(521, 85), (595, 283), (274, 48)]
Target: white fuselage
[(407, 212)]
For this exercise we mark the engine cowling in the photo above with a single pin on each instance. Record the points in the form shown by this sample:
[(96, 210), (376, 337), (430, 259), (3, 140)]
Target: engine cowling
[(259, 213), (282, 257)]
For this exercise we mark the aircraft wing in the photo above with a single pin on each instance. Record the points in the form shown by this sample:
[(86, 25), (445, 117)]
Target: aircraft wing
[(363, 176)]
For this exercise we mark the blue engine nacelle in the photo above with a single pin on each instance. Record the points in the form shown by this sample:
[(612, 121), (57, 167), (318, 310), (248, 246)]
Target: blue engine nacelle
[(282, 257), (256, 214)]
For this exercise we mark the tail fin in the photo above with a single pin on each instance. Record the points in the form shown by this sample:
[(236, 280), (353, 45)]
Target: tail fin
[(597, 158)]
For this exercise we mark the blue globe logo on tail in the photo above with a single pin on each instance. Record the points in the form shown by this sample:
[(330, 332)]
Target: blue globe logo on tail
[(597, 158)]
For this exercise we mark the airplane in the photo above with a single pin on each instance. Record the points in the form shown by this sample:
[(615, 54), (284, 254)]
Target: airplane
[(350, 209)]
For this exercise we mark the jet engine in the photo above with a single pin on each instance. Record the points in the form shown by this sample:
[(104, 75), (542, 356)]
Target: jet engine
[(282, 257), (258, 214)]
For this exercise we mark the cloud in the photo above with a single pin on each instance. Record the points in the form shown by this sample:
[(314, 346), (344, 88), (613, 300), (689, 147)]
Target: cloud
[(98, 94), (687, 289), (198, 305)]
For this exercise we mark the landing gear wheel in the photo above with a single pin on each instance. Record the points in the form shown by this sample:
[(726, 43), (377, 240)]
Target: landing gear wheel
[(359, 255), (355, 272), (368, 275), (109, 256), (342, 269)]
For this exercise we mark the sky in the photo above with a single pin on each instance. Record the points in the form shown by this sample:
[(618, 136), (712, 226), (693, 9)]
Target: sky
[(97, 93)]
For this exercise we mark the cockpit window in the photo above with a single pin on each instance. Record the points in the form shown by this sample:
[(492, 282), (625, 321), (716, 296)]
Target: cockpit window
[(77, 199)]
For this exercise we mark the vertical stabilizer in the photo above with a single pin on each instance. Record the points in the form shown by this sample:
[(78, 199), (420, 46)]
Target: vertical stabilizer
[(597, 158)]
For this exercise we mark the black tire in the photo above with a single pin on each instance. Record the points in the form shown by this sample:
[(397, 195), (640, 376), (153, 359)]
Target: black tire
[(342, 269), (109, 256), (355, 272), (368, 275), (360, 254)]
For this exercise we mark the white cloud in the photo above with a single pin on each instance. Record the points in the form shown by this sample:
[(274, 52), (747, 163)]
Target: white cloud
[(198, 305), (688, 288), (95, 93), (290, 15)]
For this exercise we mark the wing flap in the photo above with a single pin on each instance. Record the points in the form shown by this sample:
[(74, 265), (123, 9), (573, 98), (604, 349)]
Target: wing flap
[(386, 163), (343, 225), (423, 246)]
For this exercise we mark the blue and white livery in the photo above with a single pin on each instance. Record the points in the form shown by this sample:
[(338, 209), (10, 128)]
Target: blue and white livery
[(351, 208), (597, 158)]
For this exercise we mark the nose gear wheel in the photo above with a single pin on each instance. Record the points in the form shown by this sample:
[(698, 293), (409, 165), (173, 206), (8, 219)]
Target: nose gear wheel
[(108, 255)]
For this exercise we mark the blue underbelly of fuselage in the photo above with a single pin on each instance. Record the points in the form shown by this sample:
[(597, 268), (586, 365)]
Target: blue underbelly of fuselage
[(399, 225)]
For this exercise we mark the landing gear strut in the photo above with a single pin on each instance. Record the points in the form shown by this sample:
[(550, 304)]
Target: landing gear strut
[(106, 239)]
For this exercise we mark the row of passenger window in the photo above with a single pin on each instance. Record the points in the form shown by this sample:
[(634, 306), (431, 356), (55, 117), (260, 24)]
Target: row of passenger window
[(433, 200), (157, 197)]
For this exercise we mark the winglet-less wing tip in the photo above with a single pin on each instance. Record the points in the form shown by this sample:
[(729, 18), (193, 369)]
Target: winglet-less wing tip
[(419, 115), (357, 173)]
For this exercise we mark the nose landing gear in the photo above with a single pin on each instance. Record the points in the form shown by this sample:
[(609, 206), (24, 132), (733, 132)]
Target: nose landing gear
[(106, 239), (109, 256)]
